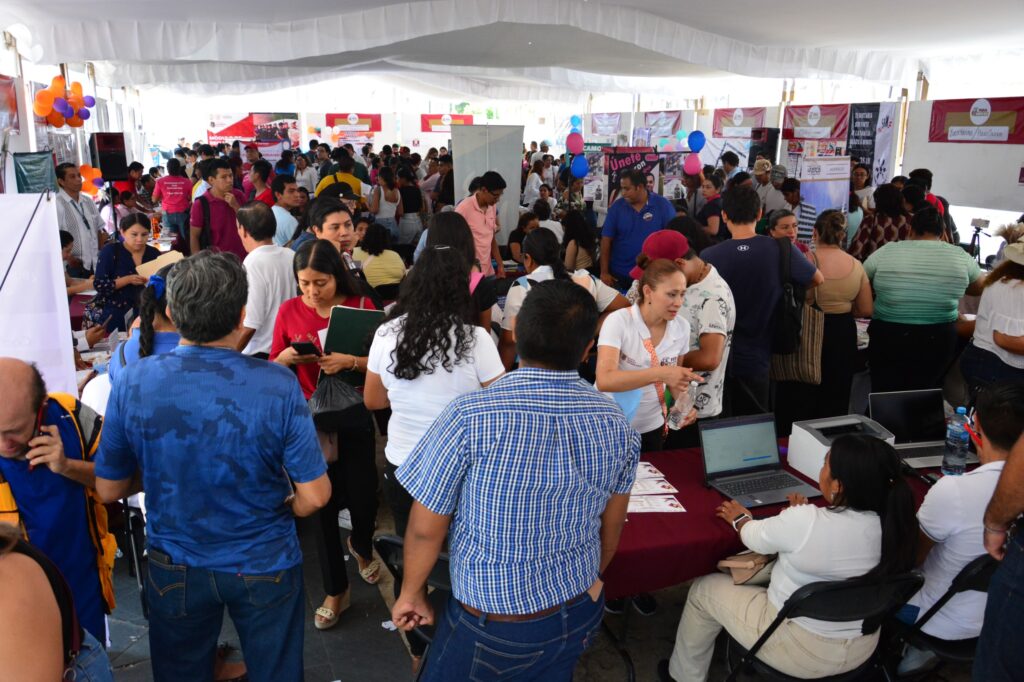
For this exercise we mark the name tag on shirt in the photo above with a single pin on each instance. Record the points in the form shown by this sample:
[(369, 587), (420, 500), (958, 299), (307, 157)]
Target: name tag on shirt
[(648, 216)]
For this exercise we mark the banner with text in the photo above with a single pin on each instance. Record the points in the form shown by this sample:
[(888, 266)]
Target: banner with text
[(618, 160), (737, 122), (595, 185), (442, 123), (354, 123), (673, 188), (825, 182), (605, 125), (278, 127), (872, 137), (816, 122), (662, 123), (230, 127), (997, 120)]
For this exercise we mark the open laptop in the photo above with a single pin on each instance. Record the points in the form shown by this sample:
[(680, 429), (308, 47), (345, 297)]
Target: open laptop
[(741, 461), (918, 421)]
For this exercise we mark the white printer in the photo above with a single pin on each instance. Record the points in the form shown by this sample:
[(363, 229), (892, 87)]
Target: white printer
[(810, 440)]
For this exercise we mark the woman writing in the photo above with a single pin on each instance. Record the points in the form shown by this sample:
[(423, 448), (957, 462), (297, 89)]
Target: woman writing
[(325, 282), (117, 283), (710, 215), (386, 202), (868, 529)]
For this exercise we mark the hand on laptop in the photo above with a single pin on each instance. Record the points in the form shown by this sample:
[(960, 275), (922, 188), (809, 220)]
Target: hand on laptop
[(796, 499), (731, 509)]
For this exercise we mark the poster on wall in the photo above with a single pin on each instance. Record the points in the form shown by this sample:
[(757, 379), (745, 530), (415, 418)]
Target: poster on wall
[(996, 120), (618, 160), (442, 123), (825, 182), (816, 122), (229, 127), (737, 122), (8, 104), (605, 125), (595, 185), (662, 123), (354, 123), (278, 127), (872, 136), (673, 188)]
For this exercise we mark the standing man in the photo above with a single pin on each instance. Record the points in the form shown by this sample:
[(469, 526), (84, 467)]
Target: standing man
[(749, 263), (634, 216), (221, 529), (481, 212), (444, 195), (806, 215), (323, 160), (77, 214), (343, 171), (259, 177), (314, 145), (730, 164), (286, 198), (539, 156), (771, 198), (536, 519), (212, 219)]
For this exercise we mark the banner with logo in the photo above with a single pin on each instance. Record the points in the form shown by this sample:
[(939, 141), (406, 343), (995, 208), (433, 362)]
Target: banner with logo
[(230, 127), (673, 188), (662, 123), (595, 185), (737, 122), (872, 134), (825, 182), (996, 120), (816, 122), (605, 125), (618, 160), (278, 127), (354, 123), (442, 123)]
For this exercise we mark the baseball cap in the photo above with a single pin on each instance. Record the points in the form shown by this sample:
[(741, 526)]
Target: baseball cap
[(1015, 252), (762, 166), (779, 172), (662, 244)]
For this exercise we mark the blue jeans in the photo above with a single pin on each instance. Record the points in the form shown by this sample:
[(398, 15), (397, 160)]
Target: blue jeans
[(466, 647), (92, 664), (187, 608), (392, 226), (177, 223), (998, 656)]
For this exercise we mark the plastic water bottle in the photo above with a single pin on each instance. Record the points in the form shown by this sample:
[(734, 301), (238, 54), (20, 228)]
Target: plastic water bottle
[(955, 459), (682, 406)]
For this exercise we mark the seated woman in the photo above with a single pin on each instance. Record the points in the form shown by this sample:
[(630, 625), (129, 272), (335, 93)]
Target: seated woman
[(528, 222), (381, 266), (572, 199), (868, 529), (156, 334), (579, 243), (73, 285), (547, 195), (118, 285), (782, 223)]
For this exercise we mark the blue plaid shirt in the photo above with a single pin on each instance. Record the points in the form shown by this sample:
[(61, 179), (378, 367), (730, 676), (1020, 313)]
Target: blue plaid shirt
[(526, 466)]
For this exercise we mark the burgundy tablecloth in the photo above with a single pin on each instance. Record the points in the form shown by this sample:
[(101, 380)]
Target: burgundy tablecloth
[(77, 308)]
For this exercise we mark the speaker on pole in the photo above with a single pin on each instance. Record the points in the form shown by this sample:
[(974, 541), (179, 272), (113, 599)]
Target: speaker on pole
[(763, 141), (108, 154)]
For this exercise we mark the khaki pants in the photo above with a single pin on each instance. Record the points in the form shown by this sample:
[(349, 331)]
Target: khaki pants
[(744, 611)]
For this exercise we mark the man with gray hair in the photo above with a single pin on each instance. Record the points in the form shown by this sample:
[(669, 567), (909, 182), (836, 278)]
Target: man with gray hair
[(226, 450)]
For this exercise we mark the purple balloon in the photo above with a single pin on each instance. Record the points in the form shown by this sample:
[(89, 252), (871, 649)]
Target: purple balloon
[(98, 182), (84, 114), (59, 103), (64, 107), (89, 101)]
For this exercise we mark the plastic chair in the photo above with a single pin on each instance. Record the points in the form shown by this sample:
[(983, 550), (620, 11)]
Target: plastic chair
[(390, 549), (872, 600), (975, 576)]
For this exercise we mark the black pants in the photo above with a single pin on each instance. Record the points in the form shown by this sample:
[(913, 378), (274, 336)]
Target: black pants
[(400, 502), (746, 395), (353, 486), (909, 357), (982, 368), (652, 441)]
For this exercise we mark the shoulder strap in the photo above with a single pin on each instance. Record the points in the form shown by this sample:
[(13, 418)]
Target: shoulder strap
[(120, 354), (206, 208), (785, 254), (523, 282)]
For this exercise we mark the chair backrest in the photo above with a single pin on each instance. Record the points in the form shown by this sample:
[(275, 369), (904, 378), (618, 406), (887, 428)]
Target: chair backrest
[(390, 549), (871, 600), (975, 576)]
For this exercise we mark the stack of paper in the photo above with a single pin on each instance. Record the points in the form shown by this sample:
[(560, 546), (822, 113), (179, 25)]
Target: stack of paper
[(652, 486), (652, 492), (654, 503)]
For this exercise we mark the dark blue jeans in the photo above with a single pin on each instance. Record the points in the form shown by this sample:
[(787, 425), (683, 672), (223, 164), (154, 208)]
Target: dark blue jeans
[(466, 647), (998, 657), (187, 608)]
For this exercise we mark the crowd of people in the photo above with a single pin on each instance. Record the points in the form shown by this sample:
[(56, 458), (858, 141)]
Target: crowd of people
[(517, 386)]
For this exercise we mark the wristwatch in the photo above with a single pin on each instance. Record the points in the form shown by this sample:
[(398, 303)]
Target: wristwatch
[(741, 517)]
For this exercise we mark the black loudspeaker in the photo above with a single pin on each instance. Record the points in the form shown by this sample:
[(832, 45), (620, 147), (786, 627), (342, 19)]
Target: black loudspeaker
[(764, 141), (108, 154)]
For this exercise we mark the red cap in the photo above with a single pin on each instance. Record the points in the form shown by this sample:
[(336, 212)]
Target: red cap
[(662, 244)]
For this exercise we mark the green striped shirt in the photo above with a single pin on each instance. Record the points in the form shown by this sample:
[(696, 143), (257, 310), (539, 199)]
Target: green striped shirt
[(919, 281)]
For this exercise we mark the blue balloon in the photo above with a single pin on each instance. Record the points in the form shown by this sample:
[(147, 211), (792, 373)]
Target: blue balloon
[(576, 129), (696, 141), (576, 121), (579, 166)]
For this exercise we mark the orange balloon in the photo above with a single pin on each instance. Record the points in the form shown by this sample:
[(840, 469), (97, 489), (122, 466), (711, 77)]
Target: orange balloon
[(45, 98), (90, 189), (76, 88), (76, 101), (58, 84), (85, 170), (40, 110), (75, 122), (55, 118)]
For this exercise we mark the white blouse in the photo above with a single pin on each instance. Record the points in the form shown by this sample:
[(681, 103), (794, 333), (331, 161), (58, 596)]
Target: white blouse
[(1001, 310)]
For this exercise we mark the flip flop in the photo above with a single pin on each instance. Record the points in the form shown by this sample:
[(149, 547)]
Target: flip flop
[(370, 574)]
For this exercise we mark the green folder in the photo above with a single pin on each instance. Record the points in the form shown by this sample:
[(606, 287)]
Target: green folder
[(350, 331)]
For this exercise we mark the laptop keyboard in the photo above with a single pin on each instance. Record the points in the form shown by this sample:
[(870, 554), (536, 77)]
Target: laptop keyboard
[(758, 485)]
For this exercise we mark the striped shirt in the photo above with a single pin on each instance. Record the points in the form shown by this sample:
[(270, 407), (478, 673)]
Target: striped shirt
[(526, 466), (919, 281), (83, 220)]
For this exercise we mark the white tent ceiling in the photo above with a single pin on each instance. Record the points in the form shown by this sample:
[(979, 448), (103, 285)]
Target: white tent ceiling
[(503, 49)]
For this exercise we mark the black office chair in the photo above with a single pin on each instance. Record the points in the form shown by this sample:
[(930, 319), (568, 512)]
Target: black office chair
[(389, 548), (872, 600), (975, 576)]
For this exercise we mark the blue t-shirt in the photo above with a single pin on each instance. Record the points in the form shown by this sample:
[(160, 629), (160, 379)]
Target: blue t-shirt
[(214, 432), (628, 228), (163, 342), (751, 268)]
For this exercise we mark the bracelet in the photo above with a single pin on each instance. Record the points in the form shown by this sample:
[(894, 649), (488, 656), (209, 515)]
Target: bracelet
[(355, 363), (742, 517), (996, 531)]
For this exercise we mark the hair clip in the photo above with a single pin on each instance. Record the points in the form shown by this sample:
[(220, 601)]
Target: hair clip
[(158, 285)]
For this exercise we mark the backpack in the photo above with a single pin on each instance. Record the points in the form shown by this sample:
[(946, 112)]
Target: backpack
[(789, 311), (204, 236)]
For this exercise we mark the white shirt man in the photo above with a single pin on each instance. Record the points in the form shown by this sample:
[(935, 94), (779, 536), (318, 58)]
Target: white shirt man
[(77, 214), (771, 198)]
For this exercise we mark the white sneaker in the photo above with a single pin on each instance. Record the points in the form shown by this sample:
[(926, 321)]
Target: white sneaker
[(916, 661), (345, 519)]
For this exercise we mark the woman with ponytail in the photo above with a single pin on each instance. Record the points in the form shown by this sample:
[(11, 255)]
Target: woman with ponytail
[(868, 529), (156, 334)]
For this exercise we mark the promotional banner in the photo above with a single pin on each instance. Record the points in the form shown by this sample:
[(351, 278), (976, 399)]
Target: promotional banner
[(271, 151), (354, 123), (8, 104), (737, 122), (662, 123), (825, 182), (278, 128), (672, 175), (442, 123), (872, 136), (595, 185), (997, 120), (641, 137), (816, 122), (618, 160), (605, 125), (230, 127)]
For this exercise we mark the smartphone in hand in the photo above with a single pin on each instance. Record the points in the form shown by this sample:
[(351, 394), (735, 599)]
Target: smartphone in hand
[(306, 348)]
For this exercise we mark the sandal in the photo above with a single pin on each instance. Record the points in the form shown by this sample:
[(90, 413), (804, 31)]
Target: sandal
[(370, 574), (330, 617)]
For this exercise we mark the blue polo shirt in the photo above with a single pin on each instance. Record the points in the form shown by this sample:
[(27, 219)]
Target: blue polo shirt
[(628, 228)]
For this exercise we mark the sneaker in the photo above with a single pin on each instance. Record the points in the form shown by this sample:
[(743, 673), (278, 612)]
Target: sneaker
[(615, 606), (663, 674), (345, 519), (916, 661), (645, 604)]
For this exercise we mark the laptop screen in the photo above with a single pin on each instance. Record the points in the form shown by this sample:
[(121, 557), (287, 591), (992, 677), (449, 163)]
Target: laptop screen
[(912, 416), (736, 445)]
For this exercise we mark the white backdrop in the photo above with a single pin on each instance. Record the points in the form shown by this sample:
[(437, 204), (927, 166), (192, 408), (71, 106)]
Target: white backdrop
[(479, 149), (35, 325)]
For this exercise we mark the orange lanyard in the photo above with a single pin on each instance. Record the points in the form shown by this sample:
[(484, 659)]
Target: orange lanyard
[(659, 386)]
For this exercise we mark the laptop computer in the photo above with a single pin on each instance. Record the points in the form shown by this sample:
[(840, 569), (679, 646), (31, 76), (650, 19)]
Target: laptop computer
[(741, 461), (918, 421)]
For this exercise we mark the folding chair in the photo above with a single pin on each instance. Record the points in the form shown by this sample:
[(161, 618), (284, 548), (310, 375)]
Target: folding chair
[(390, 548)]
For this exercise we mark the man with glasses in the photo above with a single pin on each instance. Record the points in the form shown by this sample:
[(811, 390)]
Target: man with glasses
[(481, 212)]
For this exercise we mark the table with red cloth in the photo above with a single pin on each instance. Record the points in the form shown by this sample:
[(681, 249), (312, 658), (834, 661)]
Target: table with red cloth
[(659, 550), (76, 306)]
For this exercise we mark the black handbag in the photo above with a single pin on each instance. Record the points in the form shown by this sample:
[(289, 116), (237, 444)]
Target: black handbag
[(336, 405), (789, 312)]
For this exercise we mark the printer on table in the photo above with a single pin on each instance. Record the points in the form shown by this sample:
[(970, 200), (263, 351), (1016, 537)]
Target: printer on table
[(810, 440)]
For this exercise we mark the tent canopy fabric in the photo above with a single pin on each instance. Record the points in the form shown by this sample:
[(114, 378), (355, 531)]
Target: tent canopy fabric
[(503, 48)]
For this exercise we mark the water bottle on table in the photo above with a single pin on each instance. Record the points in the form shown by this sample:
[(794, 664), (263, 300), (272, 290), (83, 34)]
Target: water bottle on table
[(957, 438), (682, 406)]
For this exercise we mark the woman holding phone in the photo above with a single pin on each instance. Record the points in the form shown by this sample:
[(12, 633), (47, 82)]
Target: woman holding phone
[(325, 282)]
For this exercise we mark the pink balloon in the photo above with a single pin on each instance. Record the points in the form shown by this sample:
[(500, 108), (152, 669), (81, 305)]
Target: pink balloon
[(692, 164), (574, 143)]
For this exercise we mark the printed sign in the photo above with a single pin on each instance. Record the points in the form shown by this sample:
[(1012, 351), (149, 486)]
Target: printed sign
[(354, 123), (996, 120), (230, 127), (871, 137), (618, 160), (442, 123), (737, 122), (605, 125), (662, 123), (816, 122)]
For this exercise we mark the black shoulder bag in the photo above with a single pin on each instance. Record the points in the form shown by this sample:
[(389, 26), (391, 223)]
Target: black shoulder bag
[(790, 308)]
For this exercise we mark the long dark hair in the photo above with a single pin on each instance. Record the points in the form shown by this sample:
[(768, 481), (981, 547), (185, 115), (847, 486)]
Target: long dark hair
[(577, 230), (322, 255), (542, 246), (175, 168), (438, 310), (451, 229), (150, 305), (872, 480), (376, 240)]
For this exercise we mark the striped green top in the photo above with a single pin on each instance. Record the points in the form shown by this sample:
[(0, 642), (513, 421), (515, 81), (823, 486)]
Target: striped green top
[(919, 281)]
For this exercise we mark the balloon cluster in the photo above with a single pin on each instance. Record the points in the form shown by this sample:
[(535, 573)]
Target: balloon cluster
[(92, 179), (60, 108), (574, 144), (696, 142)]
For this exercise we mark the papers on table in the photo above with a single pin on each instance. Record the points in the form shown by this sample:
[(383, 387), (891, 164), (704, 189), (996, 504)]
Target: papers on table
[(654, 503), (652, 486), (648, 470), (652, 492)]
